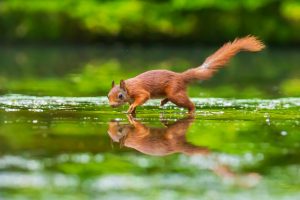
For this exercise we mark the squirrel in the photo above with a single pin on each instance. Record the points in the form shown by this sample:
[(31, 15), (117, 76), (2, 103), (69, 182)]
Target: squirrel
[(172, 85)]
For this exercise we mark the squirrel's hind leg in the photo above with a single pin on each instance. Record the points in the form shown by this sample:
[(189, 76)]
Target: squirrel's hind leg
[(182, 100), (164, 101)]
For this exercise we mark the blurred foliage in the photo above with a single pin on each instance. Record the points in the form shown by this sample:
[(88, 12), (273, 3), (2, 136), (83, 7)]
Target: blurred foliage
[(145, 21), (291, 87), (56, 72), (71, 70)]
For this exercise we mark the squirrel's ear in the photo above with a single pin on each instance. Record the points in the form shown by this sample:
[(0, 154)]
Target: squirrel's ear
[(113, 84), (122, 85)]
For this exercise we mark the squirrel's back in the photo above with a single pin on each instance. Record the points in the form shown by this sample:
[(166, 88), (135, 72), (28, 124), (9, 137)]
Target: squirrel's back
[(156, 82)]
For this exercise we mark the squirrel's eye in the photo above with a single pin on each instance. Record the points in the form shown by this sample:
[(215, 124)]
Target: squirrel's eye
[(120, 96)]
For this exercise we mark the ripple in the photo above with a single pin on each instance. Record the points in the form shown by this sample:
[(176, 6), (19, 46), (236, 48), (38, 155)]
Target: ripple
[(36, 180), (13, 103), (20, 162)]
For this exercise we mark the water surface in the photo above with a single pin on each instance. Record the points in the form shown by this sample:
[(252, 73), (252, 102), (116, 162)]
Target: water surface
[(79, 148)]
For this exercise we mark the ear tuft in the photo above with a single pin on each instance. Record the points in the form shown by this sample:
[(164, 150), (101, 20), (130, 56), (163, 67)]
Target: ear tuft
[(113, 84), (122, 85)]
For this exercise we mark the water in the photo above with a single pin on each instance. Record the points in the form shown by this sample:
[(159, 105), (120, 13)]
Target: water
[(79, 148)]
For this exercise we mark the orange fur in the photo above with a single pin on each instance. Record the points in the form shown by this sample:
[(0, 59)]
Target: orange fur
[(171, 85)]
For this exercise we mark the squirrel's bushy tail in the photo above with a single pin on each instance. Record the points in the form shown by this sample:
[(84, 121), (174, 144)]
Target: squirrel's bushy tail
[(221, 57)]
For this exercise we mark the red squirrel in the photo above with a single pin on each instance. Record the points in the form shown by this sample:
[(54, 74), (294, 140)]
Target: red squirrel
[(172, 85)]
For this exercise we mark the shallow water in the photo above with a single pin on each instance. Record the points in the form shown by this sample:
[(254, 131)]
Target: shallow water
[(79, 148)]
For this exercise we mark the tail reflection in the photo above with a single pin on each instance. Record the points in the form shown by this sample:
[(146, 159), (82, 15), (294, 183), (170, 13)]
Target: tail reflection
[(155, 141)]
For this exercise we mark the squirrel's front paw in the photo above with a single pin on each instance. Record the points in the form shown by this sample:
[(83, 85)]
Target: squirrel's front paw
[(131, 110)]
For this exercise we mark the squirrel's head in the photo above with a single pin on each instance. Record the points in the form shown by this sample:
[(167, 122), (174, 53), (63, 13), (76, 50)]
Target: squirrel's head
[(117, 96), (117, 131)]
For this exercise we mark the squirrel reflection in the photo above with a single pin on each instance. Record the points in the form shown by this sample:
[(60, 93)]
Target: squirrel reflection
[(155, 141), (168, 140)]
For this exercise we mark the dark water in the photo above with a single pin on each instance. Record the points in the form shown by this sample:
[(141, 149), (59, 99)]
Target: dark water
[(79, 148)]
